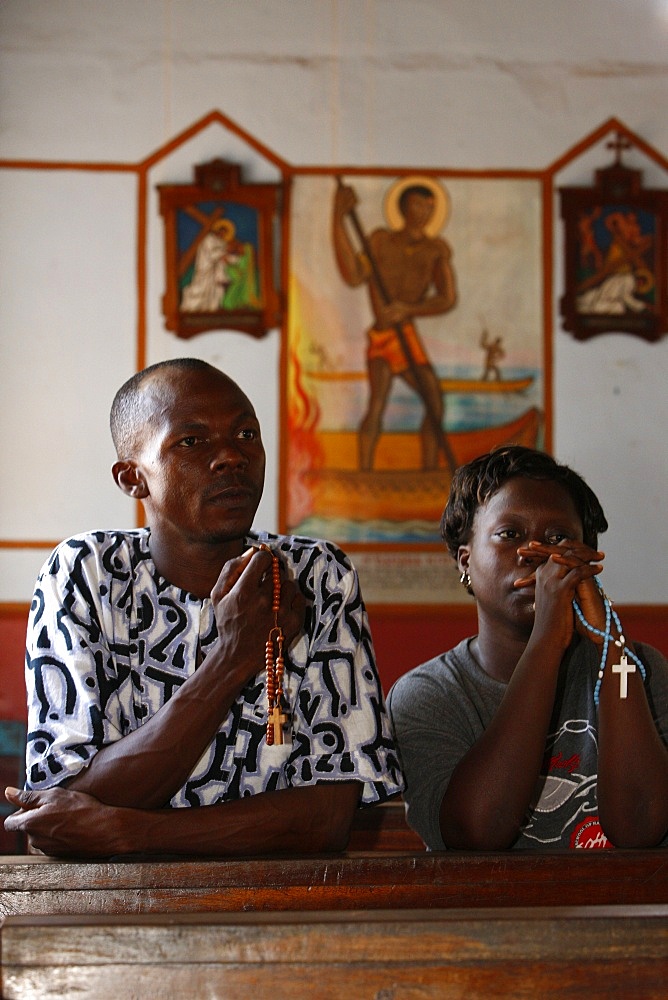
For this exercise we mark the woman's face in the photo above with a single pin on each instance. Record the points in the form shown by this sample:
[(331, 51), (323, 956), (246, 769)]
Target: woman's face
[(522, 510)]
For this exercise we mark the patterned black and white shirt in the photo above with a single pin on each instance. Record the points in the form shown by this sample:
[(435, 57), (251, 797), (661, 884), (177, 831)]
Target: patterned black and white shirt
[(110, 640)]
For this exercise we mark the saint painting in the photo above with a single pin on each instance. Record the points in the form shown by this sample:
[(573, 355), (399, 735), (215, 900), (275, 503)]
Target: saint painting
[(396, 289), (219, 252), (223, 273), (616, 269), (616, 253)]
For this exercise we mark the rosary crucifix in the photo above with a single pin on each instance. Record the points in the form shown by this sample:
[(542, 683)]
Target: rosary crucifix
[(623, 668), (275, 664)]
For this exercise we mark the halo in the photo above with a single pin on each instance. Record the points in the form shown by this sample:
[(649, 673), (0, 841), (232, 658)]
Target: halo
[(439, 219), (228, 226)]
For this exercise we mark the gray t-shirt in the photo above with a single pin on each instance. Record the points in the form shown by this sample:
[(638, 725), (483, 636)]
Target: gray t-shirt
[(441, 708)]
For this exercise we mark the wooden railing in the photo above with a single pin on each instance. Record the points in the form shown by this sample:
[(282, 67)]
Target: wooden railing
[(549, 953), (384, 921), (374, 881)]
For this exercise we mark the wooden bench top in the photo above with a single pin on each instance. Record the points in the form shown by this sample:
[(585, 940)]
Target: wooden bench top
[(546, 952), (377, 880)]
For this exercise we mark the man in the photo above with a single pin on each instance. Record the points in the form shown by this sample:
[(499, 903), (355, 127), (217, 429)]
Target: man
[(146, 652), (494, 353), (409, 274)]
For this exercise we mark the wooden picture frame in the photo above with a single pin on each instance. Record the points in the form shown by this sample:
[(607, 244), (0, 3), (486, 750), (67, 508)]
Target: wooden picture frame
[(221, 239), (616, 267)]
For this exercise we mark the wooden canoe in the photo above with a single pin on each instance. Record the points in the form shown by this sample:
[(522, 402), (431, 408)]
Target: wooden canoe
[(451, 385), (397, 489)]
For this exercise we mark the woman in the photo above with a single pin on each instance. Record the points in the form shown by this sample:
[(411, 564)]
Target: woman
[(540, 731)]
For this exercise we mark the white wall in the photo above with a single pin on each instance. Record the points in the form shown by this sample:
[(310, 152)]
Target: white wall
[(417, 83)]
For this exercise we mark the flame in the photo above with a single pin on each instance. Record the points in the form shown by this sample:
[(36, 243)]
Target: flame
[(303, 449)]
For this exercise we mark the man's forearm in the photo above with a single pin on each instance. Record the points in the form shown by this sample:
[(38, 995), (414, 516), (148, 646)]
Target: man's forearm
[(305, 820), (145, 768)]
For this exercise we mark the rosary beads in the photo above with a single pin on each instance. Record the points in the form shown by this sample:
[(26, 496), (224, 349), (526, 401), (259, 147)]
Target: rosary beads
[(623, 668), (275, 663)]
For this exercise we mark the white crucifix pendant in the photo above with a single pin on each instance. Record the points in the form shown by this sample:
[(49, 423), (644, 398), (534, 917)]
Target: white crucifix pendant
[(623, 668)]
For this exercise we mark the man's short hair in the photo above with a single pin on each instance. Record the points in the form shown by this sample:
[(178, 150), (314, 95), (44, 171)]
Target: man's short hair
[(421, 189), (127, 416), (473, 485)]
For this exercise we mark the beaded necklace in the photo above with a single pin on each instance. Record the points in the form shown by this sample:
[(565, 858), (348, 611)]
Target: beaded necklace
[(623, 668), (275, 663)]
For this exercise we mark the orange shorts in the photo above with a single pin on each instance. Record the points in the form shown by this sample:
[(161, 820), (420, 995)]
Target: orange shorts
[(385, 344)]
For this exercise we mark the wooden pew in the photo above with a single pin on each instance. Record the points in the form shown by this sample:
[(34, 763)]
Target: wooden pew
[(373, 881), (597, 952), (384, 828)]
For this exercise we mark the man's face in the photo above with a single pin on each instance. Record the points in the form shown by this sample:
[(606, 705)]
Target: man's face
[(201, 457), (418, 209)]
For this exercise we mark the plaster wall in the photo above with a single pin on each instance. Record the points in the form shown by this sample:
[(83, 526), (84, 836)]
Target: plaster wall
[(433, 83)]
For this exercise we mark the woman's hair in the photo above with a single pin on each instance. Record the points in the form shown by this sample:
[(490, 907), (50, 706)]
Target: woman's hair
[(473, 484)]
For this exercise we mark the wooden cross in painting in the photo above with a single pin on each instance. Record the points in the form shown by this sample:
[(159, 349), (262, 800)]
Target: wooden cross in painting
[(618, 145)]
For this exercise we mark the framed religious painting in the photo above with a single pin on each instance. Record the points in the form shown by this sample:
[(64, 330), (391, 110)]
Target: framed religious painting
[(616, 247), (220, 253), (415, 341)]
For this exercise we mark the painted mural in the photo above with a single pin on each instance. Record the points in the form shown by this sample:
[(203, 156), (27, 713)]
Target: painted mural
[(415, 343)]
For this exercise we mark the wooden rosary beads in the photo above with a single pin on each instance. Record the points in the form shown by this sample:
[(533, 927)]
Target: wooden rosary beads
[(275, 663)]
